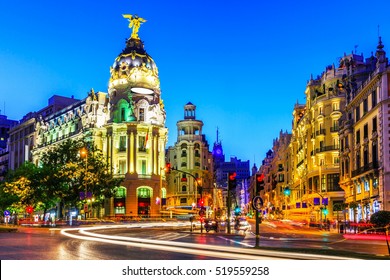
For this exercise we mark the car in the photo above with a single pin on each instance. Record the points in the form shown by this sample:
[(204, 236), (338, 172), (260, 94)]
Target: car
[(241, 224), (211, 225)]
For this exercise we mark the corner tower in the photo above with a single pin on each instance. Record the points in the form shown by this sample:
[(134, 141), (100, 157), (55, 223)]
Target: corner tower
[(191, 159), (135, 135)]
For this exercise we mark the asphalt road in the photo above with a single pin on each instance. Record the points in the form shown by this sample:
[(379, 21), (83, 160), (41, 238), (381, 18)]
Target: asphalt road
[(50, 244)]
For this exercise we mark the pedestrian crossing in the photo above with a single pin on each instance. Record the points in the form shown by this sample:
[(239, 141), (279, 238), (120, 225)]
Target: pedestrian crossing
[(170, 236)]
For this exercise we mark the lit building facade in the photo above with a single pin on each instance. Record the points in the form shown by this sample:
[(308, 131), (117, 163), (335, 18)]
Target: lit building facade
[(320, 189), (127, 124), (337, 161), (23, 137), (274, 200), (191, 180), (365, 138)]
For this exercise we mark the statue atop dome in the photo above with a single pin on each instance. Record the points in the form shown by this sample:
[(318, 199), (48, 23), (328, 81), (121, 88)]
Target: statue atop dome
[(134, 23)]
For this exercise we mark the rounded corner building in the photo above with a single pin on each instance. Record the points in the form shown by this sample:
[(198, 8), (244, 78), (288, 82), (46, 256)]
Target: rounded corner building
[(134, 137)]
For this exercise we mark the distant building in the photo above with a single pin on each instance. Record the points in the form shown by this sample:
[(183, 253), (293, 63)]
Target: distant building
[(192, 165), (5, 126), (23, 137), (241, 195)]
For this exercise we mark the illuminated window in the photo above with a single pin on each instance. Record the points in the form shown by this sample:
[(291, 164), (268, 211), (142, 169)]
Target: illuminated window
[(120, 210), (122, 166), (366, 186), (143, 167), (163, 192), (375, 183), (323, 183), (141, 143), (120, 192), (144, 193), (358, 188), (122, 143)]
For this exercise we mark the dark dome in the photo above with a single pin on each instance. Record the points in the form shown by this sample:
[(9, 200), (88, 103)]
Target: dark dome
[(135, 68), (134, 55)]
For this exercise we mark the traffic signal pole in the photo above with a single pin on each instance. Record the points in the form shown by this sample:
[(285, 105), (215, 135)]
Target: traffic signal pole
[(257, 204), (232, 182), (197, 185), (257, 229), (229, 201)]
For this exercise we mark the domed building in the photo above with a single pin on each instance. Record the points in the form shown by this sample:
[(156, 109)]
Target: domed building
[(135, 136), (127, 124)]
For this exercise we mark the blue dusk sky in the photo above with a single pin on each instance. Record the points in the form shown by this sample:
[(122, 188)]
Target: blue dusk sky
[(243, 63)]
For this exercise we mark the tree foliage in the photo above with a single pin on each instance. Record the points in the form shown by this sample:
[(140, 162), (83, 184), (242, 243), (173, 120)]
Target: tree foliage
[(23, 186), (61, 176), (380, 218)]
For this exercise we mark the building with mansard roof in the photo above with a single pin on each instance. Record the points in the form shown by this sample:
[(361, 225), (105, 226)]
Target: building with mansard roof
[(127, 124)]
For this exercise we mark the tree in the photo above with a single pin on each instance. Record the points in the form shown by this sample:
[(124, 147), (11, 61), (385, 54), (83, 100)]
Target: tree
[(60, 177), (23, 187), (68, 174), (6, 199), (380, 218)]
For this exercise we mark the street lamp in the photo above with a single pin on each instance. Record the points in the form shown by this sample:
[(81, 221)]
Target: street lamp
[(84, 154)]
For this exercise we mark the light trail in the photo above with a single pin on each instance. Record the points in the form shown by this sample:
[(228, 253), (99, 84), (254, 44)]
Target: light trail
[(215, 251)]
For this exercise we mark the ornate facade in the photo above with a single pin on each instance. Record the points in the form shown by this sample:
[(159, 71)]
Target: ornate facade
[(191, 181), (338, 159), (365, 137), (127, 124)]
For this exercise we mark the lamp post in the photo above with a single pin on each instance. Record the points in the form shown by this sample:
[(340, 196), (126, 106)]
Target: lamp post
[(161, 185), (84, 153)]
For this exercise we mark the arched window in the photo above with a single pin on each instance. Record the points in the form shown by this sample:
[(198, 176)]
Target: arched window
[(120, 201)]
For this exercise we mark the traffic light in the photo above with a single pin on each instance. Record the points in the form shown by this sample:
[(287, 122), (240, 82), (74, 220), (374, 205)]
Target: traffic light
[(287, 191), (232, 181), (259, 183), (237, 211), (167, 168), (29, 209), (325, 211)]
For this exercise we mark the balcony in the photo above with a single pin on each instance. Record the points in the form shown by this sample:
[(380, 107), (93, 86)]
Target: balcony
[(368, 167), (320, 132), (334, 129), (327, 148)]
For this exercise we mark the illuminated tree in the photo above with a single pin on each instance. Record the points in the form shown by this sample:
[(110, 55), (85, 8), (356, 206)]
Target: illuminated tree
[(23, 187), (68, 174)]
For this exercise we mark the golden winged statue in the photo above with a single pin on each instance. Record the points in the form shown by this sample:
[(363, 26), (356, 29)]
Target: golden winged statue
[(134, 23)]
